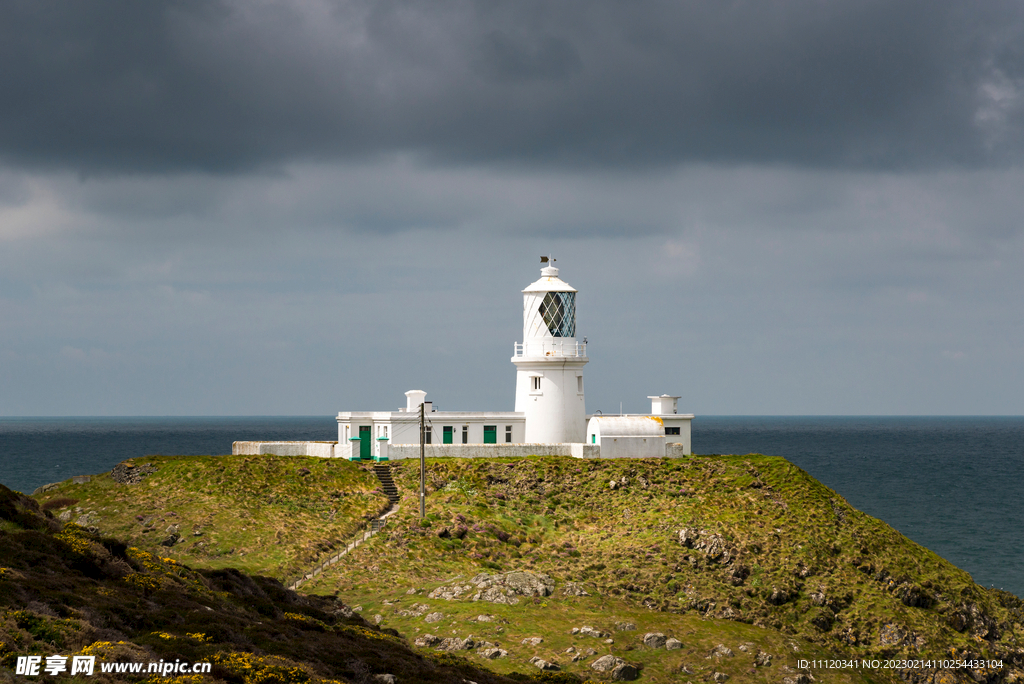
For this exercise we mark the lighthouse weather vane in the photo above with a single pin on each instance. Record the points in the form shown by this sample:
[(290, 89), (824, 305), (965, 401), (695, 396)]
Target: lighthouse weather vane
[(546, 259)]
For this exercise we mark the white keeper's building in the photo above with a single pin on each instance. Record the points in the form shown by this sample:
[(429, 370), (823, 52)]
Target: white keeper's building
[(550, 410)]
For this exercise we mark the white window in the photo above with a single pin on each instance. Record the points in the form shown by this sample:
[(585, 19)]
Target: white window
[(536, 384), (579, 384)]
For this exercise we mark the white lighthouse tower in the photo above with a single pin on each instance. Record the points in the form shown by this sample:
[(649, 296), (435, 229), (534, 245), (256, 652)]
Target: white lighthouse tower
[(549, 362)]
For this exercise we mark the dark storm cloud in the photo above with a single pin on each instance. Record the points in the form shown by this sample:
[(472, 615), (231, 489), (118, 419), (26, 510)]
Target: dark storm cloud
[(168, 86)]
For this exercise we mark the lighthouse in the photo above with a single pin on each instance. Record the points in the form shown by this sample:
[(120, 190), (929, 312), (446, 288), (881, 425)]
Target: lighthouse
[(549, 362)]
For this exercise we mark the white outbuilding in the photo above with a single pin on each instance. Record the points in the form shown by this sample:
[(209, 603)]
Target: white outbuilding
[(628, 436)]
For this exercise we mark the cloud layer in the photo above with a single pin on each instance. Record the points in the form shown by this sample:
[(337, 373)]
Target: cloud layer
[(230, 86)]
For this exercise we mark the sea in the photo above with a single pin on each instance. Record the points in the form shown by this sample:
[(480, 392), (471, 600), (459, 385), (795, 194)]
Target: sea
[(952, 484)]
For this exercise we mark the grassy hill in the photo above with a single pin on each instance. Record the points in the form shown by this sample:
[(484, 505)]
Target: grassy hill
[(729, 549), (67, 591), (740, 555), (266, 515)]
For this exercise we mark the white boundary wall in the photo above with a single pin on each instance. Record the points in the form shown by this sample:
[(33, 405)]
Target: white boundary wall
[(317, 449), (401, 451)]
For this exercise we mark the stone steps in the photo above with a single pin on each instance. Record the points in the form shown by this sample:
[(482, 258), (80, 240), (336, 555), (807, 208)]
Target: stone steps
[(383, 473)]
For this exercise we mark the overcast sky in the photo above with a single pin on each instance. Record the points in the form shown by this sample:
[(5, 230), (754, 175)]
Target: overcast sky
[(301, 207)]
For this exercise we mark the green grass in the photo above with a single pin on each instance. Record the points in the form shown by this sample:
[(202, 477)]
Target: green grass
[(786, 534), (268, 515), (68, 591), (797, 572)]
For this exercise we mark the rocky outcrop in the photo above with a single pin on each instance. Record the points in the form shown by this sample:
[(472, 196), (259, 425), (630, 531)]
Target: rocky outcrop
[(588, 632), (655, 640), (544, 664), (456, 644), (128, 473), (721, 651), (505, 588), (427, 640), (712, 544), (574, 589), (620, 670)]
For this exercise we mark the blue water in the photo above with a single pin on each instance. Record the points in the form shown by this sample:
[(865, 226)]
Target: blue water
[(951, 484)]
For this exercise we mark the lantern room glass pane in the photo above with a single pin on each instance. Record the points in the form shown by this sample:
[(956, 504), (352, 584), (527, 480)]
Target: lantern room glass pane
[(558, 309)]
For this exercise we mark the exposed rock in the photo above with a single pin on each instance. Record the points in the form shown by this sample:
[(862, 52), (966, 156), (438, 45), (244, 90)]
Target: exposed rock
[(721, 677), (172, 537), (721, 651), (87, 519), (81, 479), (45, 488), (65, 516), (492, 653), (456, 644), (673, 644), (415, 610), (625, 672), (762, 659), (592, 632), (797, 679), (378, 618), (589, 652), (612, 484), (503, 588), (778, 596), (434, 617), (625, 626), (427, 640), (485, 618), (892, 635), (655, 640), (532, 641), (544, 665), (818, 598), (385, 678), (128, 473), (574, 589), (606, 663), (714, 546)]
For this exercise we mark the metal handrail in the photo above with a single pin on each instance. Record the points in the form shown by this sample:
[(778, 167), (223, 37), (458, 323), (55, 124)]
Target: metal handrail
[(559, 348)]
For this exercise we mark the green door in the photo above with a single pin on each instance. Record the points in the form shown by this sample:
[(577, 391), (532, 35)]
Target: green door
[(490, 434), (365, 444), (446, 434)]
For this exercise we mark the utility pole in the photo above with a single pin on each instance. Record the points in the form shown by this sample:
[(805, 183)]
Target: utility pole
[(423, 467)]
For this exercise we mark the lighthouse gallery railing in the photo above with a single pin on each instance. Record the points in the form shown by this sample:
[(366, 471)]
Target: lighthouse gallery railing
[(562, 348)]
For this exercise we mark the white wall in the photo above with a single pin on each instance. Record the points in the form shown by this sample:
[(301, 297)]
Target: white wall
[(400, 451), (317, 449), (683, 423), (557, 412)]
